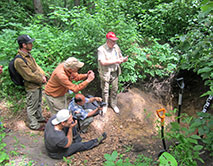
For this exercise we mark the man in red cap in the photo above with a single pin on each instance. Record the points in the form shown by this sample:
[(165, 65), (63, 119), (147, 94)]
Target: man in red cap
[(109, 60)]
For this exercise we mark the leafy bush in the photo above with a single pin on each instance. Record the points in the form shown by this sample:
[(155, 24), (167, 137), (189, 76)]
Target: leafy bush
[(186, 145), (204, 126), (165, 20), (155, 60), (13, 15), (195, 48), (3, 155), (116, 160)]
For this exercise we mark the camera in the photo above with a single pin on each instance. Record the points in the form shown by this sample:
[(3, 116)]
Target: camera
[(76, 116), (102, 104)]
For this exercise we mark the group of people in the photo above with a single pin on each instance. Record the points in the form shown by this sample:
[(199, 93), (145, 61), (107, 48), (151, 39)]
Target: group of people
[(61, 136)]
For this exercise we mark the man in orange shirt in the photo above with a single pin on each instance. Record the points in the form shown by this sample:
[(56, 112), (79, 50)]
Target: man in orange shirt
[(60, 83)]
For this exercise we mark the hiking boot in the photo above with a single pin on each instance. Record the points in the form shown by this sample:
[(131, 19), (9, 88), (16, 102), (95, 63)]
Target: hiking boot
[(101, 138), (6, 130), (116, 109), (43, 121), (41, 128)]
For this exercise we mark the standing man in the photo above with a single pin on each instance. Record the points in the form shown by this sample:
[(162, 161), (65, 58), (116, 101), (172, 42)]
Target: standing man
[(84, 115), (61, 138), (109, 60), (61, 81), (33, 77)]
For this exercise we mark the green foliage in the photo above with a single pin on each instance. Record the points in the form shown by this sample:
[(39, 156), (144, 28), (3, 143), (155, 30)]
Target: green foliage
[(204, 126), (165, 20), (88, 31), (116, 160), (186, 146), (155, 60), (68, 160), (166, 159), (13, 15), (3, 155), (206, 6), (195, 48)]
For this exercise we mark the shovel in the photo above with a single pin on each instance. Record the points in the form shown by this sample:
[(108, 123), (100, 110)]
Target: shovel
[(180, 82), (161, 115), (165, 158)]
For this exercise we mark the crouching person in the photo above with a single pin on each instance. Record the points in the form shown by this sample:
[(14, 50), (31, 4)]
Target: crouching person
[(61, 138), (84, 115)]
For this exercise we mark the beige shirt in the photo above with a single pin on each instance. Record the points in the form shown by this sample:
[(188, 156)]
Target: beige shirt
[(105, 53)]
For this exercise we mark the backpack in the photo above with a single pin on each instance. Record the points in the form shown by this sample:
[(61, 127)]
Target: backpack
[(14, 75)]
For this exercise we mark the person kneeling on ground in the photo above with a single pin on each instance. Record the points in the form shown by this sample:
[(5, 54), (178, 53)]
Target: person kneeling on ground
[(85, 115), (61, 138)]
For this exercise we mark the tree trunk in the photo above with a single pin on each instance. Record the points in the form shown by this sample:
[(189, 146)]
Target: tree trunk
[(65, 3), (76, 2), (38, 6)]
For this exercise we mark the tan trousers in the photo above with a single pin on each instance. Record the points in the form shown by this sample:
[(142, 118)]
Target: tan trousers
[(109, 89), (56, 103), (34, 111)]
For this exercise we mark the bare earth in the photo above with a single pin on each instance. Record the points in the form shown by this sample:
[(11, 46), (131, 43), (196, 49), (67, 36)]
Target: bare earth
[(132, 132)]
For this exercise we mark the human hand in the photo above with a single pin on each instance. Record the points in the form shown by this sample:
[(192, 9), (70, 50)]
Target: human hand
[(100, 108), (119, 61), (74, 123), (44, 79), (125, 59), (98, 99), (90, 77), (89, 72), (1, 69), (77, 112)]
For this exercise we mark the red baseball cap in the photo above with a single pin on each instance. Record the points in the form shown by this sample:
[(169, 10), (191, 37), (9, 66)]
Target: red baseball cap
[(111, 35)]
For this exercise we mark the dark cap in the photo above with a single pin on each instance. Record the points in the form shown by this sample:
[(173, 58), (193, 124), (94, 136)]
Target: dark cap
[(25, 39)]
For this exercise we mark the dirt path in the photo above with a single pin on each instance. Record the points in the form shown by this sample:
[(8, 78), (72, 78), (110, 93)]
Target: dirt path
[(25, 147)]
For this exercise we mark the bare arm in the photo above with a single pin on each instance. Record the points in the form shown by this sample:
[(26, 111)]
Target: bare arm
[(92, 99), (93, 112), (110, 62), (69, 135)]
